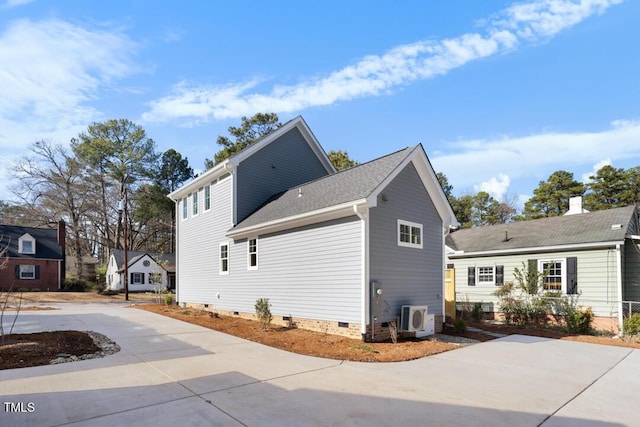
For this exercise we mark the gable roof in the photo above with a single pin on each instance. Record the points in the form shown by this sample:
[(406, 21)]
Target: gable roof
[(47, 246), (234, 161), (338, 195), (593, 229), (165, 260)]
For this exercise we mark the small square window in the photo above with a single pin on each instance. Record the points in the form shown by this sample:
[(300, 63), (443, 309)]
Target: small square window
[(409, 234)]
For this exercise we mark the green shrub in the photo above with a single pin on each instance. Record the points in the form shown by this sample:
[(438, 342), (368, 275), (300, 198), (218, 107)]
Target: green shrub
[(476, 313), (168, 299), (459, 326), (263, 312), (631, 325), (75, 284), (579, 322)]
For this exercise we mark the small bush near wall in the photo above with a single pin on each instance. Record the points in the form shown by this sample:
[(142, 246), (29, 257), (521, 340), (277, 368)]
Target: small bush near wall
[(75, 285), (631, 325), (263, 312)]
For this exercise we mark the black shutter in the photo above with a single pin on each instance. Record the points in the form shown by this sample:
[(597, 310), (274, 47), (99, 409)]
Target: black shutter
[(130, 278), (37, 271), (471, 276), (499, 275), (572, 275), (17, 271)]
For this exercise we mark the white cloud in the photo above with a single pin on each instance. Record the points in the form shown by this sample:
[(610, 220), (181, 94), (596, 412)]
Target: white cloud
[(49, 71), (10, 4), (535, 156), (375, 75), (496, 187), (586, 176)]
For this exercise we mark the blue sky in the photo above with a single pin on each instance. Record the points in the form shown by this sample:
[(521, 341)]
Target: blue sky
[(500, 93)]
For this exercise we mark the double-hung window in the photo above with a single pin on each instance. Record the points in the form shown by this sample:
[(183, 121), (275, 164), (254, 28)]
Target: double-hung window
[(409, 234), (486, 275), (252, 256), (554, 275), (185, 209), (207, 198), (137, 278), (27, 272), (224, 258), (194, 201), (492, 275)]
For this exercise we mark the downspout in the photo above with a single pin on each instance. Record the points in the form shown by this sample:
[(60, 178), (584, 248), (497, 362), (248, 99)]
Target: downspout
[(619, 280), (363, 214), (177, 207)]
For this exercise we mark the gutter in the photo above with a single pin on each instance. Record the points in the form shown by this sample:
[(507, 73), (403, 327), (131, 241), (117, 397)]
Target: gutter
[(306, 218), (535, 249)]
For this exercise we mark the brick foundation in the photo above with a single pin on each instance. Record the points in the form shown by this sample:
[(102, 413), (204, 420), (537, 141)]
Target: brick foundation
[(349, 330)]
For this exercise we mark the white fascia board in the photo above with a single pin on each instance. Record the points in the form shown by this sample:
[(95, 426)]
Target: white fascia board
[(429, 181), (321, 215), (538, 249), (302, 126), (210, 175)]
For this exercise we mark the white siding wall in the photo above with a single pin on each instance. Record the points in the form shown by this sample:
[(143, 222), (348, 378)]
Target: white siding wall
[(312, 272), (596, 278)]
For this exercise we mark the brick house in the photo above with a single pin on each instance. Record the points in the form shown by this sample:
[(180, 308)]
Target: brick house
[(35, 257)]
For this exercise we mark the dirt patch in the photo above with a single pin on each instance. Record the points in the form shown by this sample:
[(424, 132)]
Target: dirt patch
[(44, 297), (40, 348), (306, 342)]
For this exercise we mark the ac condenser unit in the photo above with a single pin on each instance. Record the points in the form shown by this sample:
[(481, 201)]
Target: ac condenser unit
[(413, 318)]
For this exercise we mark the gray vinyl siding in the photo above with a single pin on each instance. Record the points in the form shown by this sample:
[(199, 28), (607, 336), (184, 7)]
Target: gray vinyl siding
[(282, 164), (632, 270), (409, 276), (311, 272), (597, 282), (199, 241)]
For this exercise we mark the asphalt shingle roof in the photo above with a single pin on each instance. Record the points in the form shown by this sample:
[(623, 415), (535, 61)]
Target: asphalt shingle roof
[(592, 227), (346, 186), (47, 246)]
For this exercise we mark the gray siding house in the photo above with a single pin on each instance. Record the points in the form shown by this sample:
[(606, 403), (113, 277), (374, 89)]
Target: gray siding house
[(595, 255), (277, 221)]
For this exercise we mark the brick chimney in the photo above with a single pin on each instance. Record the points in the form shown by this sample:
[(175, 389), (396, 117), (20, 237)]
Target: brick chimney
[(62, 241)]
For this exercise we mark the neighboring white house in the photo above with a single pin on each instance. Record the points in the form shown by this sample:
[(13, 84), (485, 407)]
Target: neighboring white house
[(595, 255), (332, 251), (148, 271)]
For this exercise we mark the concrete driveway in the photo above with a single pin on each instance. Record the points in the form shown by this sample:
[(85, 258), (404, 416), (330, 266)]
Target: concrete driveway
[(173, 373)]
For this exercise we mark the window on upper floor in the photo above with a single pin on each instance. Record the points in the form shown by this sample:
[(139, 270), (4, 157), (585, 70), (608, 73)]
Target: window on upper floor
[(27, 244), (252, 255), (409, 234), (194, 203), (185, 209), (207, 197)]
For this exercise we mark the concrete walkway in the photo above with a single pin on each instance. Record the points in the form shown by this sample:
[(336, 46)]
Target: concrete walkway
[(172, 373)]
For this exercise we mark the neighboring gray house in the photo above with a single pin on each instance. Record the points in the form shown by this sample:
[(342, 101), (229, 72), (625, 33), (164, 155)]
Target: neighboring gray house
[(335, 252), (148, 271), (593, 254)]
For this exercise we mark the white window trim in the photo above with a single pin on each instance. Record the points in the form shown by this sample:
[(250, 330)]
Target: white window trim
[(207, 189), (27, 238), (563, 262), (249, 266), (185, 208), (195, 202), (23, 269), (133, 274), (220, 271), (478, 282), (411, 225)]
